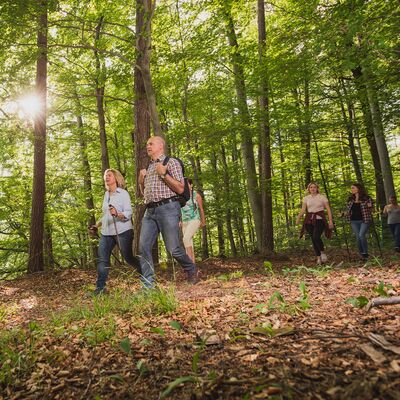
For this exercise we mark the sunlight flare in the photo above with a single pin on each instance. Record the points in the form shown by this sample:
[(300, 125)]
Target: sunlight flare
[(30, 106)]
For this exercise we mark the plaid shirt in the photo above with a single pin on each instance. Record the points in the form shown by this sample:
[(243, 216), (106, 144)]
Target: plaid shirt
[(155, 189), (366, 207)]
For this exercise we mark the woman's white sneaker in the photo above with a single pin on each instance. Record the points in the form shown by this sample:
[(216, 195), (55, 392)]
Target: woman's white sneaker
[(324, 258)]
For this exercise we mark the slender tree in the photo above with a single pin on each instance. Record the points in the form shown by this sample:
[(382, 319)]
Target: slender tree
[(35, 262), (267, 238)]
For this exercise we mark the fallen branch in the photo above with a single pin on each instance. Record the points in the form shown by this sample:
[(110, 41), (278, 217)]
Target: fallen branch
[(379, 340), (382, 301)]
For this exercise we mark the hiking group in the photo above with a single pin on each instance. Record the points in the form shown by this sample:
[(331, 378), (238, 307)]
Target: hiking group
[(172, 203), (165, 191)]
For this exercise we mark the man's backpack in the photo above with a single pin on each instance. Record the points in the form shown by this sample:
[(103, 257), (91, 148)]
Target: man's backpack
[(184, 197)]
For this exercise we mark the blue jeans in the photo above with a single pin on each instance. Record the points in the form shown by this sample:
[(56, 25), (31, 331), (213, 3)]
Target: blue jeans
[(360, 229), (395, 229), (106, 245), (164, 219)]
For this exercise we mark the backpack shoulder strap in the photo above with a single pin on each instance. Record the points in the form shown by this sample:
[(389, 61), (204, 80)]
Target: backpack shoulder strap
[(166, 159)]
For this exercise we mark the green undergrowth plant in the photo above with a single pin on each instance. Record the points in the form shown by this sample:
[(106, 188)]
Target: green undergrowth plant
[(119, 302), (17, 352), (90, 322), (321, 271), (230, 276), (382, 289), (278, 302)]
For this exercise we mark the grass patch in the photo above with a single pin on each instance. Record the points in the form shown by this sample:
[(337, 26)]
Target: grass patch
[(92, 322)]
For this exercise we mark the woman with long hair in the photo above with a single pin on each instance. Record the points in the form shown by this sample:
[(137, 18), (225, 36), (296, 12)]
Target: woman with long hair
[(359, 213), (315, 223), (116, 227), (192, 219)]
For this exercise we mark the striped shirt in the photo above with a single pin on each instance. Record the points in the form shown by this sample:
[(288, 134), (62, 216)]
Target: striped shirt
[(155, 189)]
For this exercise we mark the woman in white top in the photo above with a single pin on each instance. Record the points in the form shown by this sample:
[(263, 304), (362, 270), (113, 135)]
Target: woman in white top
[(116, 227), (315, 222)]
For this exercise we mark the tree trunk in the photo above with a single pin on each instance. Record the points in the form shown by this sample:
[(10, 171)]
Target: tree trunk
[(195, 163), (303, 122), (363, 99), (348, 123), (267, 238), (146, 10), (35, 262), (306, 134), (48, 246), (142, 117), (228, 202), (379, 134), (246, 134), (220, 226), (99, 92), (87, 181)]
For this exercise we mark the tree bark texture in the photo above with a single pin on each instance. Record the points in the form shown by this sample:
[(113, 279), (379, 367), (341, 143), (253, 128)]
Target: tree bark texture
[(99, 91), (246, 134), (142, 116), (35, 262), (267, 237)]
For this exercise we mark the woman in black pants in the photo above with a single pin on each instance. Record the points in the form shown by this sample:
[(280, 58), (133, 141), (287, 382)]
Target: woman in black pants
[(315, 222)]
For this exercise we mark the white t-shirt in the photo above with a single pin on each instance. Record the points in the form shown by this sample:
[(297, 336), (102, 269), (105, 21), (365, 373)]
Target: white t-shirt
[(315, 203)]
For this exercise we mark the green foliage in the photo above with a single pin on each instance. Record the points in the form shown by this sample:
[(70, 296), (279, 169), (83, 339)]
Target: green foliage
[(175, 325), (125, 345), (230, 276), (359, 302), (312, 54), (303, 300), (175, 383), (381, 289), (268, 267)]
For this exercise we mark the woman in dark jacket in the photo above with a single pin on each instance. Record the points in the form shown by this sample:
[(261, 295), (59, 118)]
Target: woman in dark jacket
[(359, 213)]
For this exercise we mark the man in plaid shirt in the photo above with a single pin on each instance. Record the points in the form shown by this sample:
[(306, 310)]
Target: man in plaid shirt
[(160, 185)]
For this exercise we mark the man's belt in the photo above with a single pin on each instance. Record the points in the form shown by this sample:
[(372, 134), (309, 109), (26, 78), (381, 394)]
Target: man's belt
[(155, 204)]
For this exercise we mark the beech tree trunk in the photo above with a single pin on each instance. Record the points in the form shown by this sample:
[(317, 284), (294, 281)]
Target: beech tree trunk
[(99, 92), (142, 117), (246, 134), (146, 10), (220, 225), (228, 211), (267, 237), (380, 140), (87, 181), (363, 99), (35, 262), (349, 125)]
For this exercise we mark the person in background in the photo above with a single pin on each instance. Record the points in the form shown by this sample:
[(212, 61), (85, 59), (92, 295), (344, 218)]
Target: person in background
[(359, 213), (116, 227), (192, 219), (315, 223), (161, 186), (392, 211)]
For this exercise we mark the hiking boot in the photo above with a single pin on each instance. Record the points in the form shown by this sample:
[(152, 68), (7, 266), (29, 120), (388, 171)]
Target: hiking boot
[(324, 257), (365, 257), (193, 277), (100, 292)]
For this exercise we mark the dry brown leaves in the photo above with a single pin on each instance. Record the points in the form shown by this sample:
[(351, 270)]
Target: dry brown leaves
[(230, 341)]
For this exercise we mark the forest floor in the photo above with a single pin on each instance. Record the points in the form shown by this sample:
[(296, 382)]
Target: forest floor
[(249, 330)]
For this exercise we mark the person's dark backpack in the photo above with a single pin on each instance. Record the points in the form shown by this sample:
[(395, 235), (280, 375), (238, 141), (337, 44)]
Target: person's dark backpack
[(184, 197)]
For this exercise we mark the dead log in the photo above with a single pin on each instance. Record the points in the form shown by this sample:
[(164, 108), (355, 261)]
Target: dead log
[(383, 301)]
